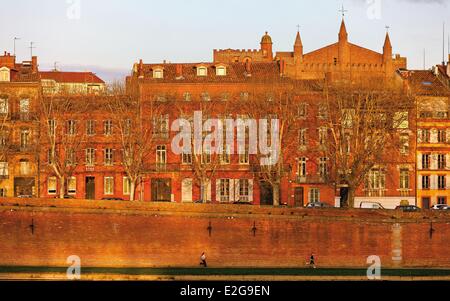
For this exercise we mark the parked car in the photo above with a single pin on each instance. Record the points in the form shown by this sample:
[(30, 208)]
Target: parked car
[(318, 205), (408, 208), (371, 205), (25, 196), (440, 207), (112, 199)]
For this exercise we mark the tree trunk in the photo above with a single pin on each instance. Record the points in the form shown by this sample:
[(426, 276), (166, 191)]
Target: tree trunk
[(204, 190), (276, 194), (132, 190), (351, 198), (62, 187)]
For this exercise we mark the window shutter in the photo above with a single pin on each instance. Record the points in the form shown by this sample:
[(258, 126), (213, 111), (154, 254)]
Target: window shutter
[(434, 136), (447, 182), (419, 161), (236, 189), (250, 190), (419, 182), (447, 132), (218, 190), (447, 161), (433, 182), (419, 136), (433, 159), (232, 192)]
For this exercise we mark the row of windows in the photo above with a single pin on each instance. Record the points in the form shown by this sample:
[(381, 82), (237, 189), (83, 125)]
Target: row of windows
[(201, 71), (433, 135), (434, 182), (433, 161), (24, 105), (302, 167), (108, 185)]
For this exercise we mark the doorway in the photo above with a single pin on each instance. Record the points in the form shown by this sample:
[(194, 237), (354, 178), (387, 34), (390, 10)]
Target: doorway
[(161, 190), (90, 188), (266, 194), (426, 203), (299, 197)]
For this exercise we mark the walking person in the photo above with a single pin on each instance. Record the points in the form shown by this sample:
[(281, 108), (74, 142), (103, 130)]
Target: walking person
[(312, 261), (203, 260)]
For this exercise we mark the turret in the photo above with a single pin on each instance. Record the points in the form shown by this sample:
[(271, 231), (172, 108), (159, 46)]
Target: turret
[(387, 50), (266, 46)]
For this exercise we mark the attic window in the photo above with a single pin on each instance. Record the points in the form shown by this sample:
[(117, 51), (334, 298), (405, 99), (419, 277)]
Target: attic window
[(426, 83), (4, 74), (202, 71), (221, 71), (158, 73)]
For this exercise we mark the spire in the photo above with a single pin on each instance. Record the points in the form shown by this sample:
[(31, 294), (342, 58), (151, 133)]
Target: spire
[(298, 40), (343, 32), (387, 42)]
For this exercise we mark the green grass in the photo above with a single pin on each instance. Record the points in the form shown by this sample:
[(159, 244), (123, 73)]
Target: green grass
[(231, 271)]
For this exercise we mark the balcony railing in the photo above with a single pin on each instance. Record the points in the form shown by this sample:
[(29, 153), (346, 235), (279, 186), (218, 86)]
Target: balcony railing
[(311, 179), (164, 167), (24, 116)]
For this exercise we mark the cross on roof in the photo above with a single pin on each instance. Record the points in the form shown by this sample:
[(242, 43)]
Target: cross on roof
[(343, 11), (387, 28)]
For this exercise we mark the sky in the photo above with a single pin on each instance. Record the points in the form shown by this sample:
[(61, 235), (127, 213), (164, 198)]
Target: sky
[(108, 36)]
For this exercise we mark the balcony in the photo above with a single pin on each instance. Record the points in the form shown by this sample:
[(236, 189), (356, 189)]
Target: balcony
[(164, 167), (24, 116), (311, 179), (24, 148)]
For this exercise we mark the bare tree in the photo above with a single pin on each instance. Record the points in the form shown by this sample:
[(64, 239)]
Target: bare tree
[(363, 124), (133, 118), (61, 134)]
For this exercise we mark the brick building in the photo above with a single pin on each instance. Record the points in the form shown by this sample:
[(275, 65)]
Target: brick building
[(19, 96)]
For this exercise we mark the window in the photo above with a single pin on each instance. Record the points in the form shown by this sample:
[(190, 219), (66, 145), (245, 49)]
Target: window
[(24, 138), (441, 182), (441, 161), (323, 167), (187, 96), (71, 127), (425, 135), (426, 182), (186, 158), (161, 126), (302, 167), (52, 127), (202, 71), (161, 156), (442, 200), (25, 168), (224, 190), (245, 157), (126, 186), (70, 157), (302, 110), (90, 127), (24, 105), (375, 184), (244, 190), (206, 156), (221, 71), (225, 157), (404, 178), (4, 74), (323, 136), (303, 140), (404, 144), (426, 161), (225, 96), (323, 112), (244, 96), (109, 156), (442, 136), (158, 73), (109, 185), (4, 169), (3, 192), (401, 120), (107, 127), (205, 96), (127, 127), (90, 157), (4, 106), (51, 185), (314, 195), (72, 185)]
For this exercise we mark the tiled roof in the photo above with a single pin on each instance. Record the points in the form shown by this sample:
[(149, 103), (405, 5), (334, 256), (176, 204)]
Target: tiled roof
[(424, 82), (236, 72), (71, 77), (23, 73)]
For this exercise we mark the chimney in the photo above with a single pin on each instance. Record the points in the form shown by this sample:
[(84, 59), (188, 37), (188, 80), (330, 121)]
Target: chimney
[(179, 71), (282, 66), (34, 64), (248, 67), (141, 69)]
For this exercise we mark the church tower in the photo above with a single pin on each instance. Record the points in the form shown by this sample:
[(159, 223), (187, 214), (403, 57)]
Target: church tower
[(266, 47), (344, 47), (298, 48)]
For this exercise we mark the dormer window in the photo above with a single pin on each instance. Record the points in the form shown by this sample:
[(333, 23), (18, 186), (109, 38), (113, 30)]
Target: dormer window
[(202, 71), (221, 71), (4, 74), (158, 73)]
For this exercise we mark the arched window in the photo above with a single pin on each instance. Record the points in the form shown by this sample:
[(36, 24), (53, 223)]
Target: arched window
[(4, 74), (221, 71), (202, 71)]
